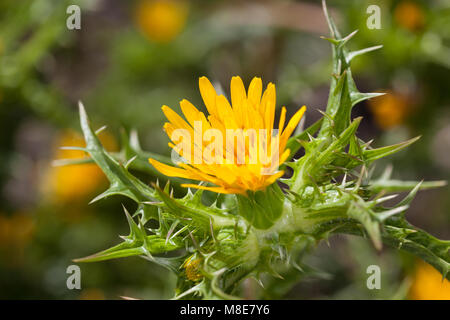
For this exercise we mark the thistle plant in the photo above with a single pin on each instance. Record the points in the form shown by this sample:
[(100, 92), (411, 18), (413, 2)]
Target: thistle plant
[(261, 221)]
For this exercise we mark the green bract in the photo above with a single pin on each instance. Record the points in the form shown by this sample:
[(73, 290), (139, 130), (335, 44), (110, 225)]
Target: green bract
[(237, 237)]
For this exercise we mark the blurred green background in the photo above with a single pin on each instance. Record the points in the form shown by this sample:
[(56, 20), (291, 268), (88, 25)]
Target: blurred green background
[(131, 57)]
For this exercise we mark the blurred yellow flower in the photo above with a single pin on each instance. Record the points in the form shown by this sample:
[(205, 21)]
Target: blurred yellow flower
[(15, 233), (428, 284), (232, 168), (409, 15), (73, 183), (92, 294), (161, 20), (390, 110), (15, 230)]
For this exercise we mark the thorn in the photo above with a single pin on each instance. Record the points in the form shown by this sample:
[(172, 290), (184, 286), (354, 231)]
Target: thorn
[(344, 180), (99, 130), (296, 266), (73, 148), (134, 140), (367, 144), (211, 227), (354, 54), (327, 116), (167, 186), (379, 195), (301, 126), (178, 232), (127, 164), (194, 242), (327, 16), (147, 253), (128, 298), (360, 178), (82, 109), (172, 228), (259, 281), (387, 172), (153, 203), (345, 39)]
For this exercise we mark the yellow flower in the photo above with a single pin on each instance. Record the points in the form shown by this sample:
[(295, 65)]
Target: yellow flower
[(161, 20), (428, 284), (409, 15), (390, 110), (92, 294), (232, 169), (71, 183), (192, 269), (16, 232)]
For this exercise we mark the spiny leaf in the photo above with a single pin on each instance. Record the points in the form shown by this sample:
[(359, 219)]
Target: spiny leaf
[(194, 213), (294, 143), (353, 54), (135, 232), (131, 149), (399, 234), (383, 215), (361, 213), (377, 186), (122, 182), (338, 143), (341, 97), (407, 200), (152, 244), (358, 97), (374, 154), (112, 191), (343, 92), (69, 162)]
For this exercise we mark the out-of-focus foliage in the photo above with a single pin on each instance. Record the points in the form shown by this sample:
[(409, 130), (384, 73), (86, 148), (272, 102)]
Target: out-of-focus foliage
[(124, 66)]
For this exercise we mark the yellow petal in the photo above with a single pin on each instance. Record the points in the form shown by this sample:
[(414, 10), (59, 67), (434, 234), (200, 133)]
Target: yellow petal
[(284, 156), (282, 120), (292, 125), (224, 109), (169, 170), (213, 189), (190, 112), (238, 96), (208, 95), (255, 91), (269, 95), (269, 113), (274, 178), (174, 118)]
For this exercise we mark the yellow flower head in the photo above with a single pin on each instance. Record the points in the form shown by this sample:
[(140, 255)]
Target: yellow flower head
[(68, 184), (428, 284), (192, 268), (409, 15), (161, 20), (390, 110), (248, 159)]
